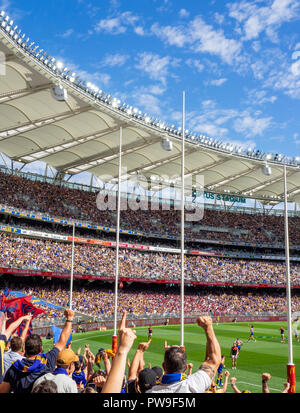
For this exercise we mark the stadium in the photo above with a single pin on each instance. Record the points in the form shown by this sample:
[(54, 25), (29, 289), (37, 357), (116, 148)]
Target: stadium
[(101, 250)]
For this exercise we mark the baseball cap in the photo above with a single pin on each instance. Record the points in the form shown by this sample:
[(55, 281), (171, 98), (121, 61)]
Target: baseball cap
[(147, 379), (66, 357), (158, 371)]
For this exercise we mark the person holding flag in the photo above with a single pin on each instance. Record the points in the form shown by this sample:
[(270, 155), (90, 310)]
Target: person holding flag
[(18, 307), (21, 376), (16, 344), (5, 334)]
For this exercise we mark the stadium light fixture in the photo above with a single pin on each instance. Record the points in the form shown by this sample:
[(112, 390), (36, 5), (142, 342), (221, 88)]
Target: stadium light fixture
[(266, 169), (166, 144), (59, 65)]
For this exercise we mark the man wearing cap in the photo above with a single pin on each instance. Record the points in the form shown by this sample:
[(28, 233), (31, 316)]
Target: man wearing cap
[(175, 380), (22, 374), (63, 372), (145, 381)]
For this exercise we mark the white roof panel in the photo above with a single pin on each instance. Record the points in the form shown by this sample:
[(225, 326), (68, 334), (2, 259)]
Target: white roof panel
[(82, 134)]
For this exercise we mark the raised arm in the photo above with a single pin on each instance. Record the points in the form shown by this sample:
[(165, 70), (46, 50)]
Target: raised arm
[(233, 385), (213, 350), (189, 369), (115, 378), (13, 326), (25, 330), (265, 377), (66, 331), (138, 363), (225, 385), (107, 365)]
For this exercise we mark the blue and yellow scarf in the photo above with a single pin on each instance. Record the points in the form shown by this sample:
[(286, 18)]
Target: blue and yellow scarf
[(60, 370), (37, 366), (172, 378), (79, 377)]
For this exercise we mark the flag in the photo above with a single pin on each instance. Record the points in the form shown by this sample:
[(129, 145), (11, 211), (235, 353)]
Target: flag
[(18, 307), (56, 335)]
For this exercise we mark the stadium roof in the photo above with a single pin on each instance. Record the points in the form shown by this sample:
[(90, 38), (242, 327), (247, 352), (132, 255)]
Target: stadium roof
[(81, 133)]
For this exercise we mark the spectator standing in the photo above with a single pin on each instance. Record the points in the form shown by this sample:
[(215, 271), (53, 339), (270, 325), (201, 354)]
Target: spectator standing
[(16, 351), (21, 376), (62, 375), (175, 381), (5, 334)]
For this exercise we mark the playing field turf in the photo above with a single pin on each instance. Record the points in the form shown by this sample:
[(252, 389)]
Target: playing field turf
[(267, 354)]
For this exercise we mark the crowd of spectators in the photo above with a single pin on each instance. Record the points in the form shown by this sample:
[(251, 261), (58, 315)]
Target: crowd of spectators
[(97, 302), (63, 201), (62, 370), (36, 254)]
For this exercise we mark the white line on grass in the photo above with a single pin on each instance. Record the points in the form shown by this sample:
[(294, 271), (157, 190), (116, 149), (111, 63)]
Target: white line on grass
[(256, 385), (87, 338)]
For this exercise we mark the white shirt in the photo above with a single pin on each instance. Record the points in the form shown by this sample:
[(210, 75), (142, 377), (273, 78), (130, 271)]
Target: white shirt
[(64, 383), (197, 382), (9, 357)]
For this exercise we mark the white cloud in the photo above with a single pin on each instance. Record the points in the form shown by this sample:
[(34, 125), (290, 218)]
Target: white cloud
[(151, 104), (114, 60), (217, 82), (256, 46), (208, 103), (296, 138), (207, 40), (173, 36), (195, 64), (259, 97), (156, 89), (139, 30), (200, 38), (251, 126), (220, 18), (285, 77), (117, 25), (155, 66), (295, 68), (184, 13), (268, 18), (67, 33), (5, 5)]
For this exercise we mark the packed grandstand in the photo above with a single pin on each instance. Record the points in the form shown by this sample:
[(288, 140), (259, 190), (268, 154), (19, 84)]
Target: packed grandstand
[(225, 274), (234, 255)]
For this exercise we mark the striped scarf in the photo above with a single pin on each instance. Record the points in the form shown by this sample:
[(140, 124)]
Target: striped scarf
[(37, 366), (172, 378), (79, 377)]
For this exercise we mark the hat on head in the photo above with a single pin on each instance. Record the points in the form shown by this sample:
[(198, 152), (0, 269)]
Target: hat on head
[(66, 357), (158, 371), (147, 379)]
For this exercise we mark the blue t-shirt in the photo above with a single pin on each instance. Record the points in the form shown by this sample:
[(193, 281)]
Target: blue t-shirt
[(22, 382)]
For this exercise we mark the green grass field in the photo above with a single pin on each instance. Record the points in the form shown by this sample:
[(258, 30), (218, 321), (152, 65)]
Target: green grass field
[(267, 354)]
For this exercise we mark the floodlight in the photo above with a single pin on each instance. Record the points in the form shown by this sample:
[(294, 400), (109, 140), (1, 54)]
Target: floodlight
[(267, 170), (59, 93), (167, 144)]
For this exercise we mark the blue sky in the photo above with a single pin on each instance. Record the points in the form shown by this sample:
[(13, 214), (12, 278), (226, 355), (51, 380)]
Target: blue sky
[(237, 61)]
